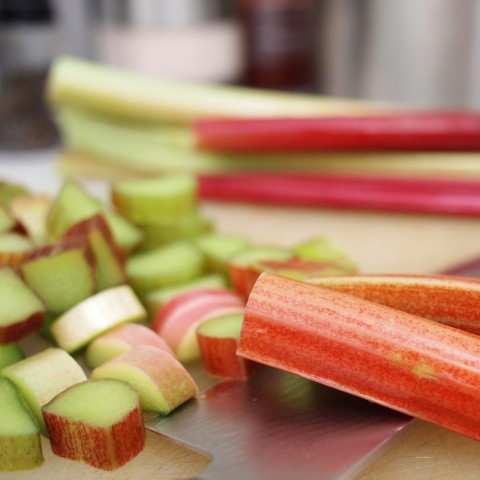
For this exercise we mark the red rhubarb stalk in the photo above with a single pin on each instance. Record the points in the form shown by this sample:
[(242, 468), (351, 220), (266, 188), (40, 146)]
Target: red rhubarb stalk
[(414, 365), (447, 299), (401, 194), (419, 131)]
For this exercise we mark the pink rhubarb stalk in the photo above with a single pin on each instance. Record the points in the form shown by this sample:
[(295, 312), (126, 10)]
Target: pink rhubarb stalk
[(417, 131), (401, 194), (447, 299), (408, 363)]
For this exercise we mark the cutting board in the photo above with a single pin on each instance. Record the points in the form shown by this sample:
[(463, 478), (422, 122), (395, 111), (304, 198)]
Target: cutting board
[(379, 242)]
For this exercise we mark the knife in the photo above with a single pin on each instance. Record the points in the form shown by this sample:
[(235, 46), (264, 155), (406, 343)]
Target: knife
[(280, 426)]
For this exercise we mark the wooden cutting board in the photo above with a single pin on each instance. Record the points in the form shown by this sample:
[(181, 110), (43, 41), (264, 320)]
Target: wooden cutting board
[(379, 242)]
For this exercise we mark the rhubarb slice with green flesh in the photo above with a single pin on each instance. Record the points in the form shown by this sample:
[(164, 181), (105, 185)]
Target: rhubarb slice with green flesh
[(218, 341), (165, 265), (178, 320), (324, 249), (22, 311), (161, 380), (20, 445), (10, 353), (9, 190), (156, 299), (7, 221), (239, 264), (14, 248), (120, 340), (411, 364), (98, 422), (42, 376), (31, 211), (60, 278), (133, 96), (150, 201), (454, 301), (94, 316), (219, 248), (109, 258), (74, 204)]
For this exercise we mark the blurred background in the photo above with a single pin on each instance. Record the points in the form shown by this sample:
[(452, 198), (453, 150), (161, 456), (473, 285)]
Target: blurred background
[(422, 52)]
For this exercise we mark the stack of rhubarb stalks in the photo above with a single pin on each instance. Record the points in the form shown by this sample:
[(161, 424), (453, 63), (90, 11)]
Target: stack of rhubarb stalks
[(256, 146)]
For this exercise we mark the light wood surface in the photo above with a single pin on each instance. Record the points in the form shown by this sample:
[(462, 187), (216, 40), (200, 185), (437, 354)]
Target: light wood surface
[(379, 242)]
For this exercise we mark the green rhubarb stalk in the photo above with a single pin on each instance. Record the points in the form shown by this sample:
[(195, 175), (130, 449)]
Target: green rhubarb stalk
[(112, 149), (115, 92)]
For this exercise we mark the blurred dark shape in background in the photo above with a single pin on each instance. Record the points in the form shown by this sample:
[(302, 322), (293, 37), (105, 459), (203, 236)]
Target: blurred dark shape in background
[(27, 40), (424, 53)]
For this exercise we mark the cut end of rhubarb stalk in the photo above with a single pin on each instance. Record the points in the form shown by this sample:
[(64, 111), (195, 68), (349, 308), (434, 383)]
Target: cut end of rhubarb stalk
[(162, 381), (98, 421), (20, 446)]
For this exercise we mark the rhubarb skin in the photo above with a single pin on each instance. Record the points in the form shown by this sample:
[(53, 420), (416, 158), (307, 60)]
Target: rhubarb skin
[(451, 300), (99, 444), (408, 363)]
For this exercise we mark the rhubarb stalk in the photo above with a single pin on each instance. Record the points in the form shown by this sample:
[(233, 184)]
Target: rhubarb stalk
[(406, 194), (418, 131), (408, 363)]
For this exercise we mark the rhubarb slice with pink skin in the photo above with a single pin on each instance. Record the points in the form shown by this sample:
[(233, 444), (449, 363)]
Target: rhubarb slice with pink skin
[(42, 376), (14, 248), (239, 264), (22, 310), (408, 363), (98, 422), (156, 299), (32, 211), (108, 256), (120, 340), (62, 274), (161, 380), (20, 445), (218, 342), (96, 315), (177, 321), (451, 300)]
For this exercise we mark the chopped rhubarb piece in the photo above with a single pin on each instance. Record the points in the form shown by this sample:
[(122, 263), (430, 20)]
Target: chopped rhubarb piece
[(22, 311), (14, 248), (120, 340), (20, 445), (161, 380), (96, 315), (452, 300), (42, 376), (218, 341), (416, 131), (98, 422), (411, 364), (177, 321)]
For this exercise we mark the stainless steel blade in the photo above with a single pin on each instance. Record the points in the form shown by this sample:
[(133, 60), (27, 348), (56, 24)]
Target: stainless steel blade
[(280, 426)]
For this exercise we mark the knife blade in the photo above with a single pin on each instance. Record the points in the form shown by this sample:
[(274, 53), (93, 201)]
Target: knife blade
[(279, 426)]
